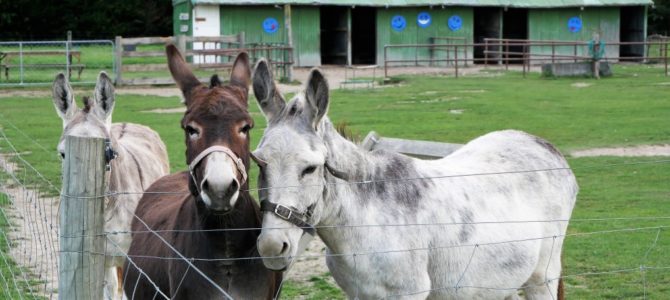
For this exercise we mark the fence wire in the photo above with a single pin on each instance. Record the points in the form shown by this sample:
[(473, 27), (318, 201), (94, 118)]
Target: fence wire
[(29, 248)]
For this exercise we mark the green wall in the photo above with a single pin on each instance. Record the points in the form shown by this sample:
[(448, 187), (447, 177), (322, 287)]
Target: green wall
[(235, 19), (306, 35), (183, 7), (546, 24), (413, 34), (305, 26)]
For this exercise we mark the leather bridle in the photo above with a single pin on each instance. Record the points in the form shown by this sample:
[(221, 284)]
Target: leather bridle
[(238, 162), (291, 215)]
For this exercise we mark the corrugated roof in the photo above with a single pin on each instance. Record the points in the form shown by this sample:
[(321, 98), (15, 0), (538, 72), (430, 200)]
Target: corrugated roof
[(499, 3)]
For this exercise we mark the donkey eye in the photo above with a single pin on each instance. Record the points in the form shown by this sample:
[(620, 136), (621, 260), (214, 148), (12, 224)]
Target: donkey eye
[(245, 129), (192, 132), (308, 170)]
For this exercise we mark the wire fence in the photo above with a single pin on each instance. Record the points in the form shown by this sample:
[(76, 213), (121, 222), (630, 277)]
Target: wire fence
[(36, 63), (29, 249)]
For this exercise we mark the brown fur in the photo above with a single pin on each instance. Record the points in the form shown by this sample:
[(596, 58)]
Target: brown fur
[(181, 211), (220, 112)]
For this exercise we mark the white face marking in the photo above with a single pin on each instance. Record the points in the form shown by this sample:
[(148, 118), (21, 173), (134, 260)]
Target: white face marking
[(205, 198), (220, 173)]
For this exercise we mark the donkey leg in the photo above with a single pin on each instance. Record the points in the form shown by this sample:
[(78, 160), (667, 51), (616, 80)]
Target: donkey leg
[(543, 284), (111, 287), (119, 278)]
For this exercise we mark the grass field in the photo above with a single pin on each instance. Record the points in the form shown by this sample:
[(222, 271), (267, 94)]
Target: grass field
[(631, 108)]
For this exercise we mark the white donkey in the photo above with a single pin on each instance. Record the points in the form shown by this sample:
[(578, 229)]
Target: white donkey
[(398, 227), (141, 159)]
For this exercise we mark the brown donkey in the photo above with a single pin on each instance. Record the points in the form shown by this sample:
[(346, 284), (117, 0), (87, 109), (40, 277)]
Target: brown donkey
[(203, 213)]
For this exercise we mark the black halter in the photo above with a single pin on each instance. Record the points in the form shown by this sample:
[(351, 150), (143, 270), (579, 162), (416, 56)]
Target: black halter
[(110, 153), (291, 215)]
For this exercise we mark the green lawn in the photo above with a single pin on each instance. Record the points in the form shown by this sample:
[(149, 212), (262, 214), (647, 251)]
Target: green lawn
[(631, 108)]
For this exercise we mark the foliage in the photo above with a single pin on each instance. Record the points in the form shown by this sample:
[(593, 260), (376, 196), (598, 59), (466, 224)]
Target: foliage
[(95, 19), (659, 18)]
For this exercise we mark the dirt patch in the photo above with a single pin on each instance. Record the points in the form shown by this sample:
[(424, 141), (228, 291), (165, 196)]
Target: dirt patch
[(175, 110), (33, 227), (456, 111), (581, 85), (428, 101), (168, 91), (311, 263), (472, 91), (642, 150)]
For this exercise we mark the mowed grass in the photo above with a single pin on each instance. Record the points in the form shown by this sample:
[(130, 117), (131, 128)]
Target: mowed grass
[(631, 108)]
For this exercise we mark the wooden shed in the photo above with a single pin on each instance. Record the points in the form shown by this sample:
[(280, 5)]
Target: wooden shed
[(355, 32)]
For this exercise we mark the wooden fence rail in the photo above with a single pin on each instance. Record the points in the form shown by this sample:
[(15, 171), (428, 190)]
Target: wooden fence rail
[(220, 57), (415, 148)]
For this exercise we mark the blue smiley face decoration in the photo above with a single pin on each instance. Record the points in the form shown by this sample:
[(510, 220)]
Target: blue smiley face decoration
[(270, 25), (398, 23), (575, 24), (423, 20), (455, 23)]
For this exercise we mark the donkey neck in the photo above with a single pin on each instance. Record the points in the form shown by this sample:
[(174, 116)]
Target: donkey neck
[(343, 154), (375, 184), (232, 243)]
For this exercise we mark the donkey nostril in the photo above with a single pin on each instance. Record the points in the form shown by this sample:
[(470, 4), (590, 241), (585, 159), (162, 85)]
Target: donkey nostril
[(284, 248), (232, 189)]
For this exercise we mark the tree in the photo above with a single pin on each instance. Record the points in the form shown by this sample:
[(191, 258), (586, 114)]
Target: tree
[(659, 18), (87, 19)]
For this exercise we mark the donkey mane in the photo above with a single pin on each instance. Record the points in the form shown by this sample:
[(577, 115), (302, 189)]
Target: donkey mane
[(346, 132), (87, 104)]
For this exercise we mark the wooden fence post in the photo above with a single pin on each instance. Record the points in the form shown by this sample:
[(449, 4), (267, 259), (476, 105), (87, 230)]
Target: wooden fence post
[(289, 40), (181, 44), (82, 240), (241, 40), (118, 63), (68, 55)]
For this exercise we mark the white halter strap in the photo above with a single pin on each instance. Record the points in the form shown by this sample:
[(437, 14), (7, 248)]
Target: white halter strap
[(227, 151)]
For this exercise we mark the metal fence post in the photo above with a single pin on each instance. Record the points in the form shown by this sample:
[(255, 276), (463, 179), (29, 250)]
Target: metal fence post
[(386, 74), (506, 42), (82, 240), (486, 53), (456, 58), (20, 62), (665, 55)]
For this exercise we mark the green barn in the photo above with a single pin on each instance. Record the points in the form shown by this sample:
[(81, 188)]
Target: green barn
[(355, 32)]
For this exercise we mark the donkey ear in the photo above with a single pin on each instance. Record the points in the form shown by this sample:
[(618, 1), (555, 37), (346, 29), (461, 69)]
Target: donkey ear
[(63, 98), (181, 73), (241, 74), (316, 96), (104, 97), (265, 90)]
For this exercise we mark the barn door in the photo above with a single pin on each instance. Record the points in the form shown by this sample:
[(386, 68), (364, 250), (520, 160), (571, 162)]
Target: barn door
[(206, 22)]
